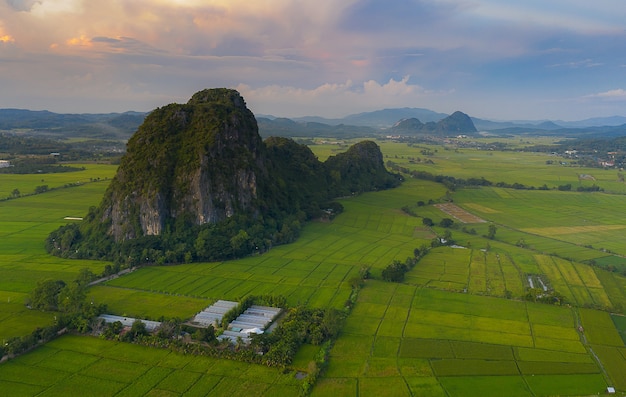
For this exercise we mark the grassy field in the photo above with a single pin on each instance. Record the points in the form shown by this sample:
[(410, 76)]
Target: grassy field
[(26, 183), (25, 222), (89, 366), (527, 168), (315, 270), (436, 342), (455, 327)]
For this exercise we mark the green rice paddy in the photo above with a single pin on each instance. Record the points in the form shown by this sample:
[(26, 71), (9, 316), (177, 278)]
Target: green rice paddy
[(456, 326), (89, 366)]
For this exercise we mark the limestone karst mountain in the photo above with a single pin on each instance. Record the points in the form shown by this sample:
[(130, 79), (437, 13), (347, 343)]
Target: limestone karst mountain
[(198, 182), (456, 123)]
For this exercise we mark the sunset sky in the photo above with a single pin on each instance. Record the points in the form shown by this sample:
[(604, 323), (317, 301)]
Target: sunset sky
[(498, 59)]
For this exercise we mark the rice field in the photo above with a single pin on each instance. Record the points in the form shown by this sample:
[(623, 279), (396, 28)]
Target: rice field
[(446, 343), (25, 222), (315, 270), (572, 224), (74, 365), (455, 327)]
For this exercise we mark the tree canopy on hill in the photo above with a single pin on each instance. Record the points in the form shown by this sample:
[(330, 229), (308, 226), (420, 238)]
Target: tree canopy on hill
[(198, 183)]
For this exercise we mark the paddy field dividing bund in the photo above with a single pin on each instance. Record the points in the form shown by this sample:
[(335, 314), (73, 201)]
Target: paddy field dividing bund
[(456, 325)]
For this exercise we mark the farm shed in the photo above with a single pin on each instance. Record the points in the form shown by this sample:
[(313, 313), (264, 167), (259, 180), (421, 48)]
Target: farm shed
[(128, 321), (253, 321), (213, 314)]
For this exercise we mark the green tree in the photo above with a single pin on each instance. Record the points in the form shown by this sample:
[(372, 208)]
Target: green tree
[(15, 192), (205, 334), (85, 276), (41, 189), (71, 297), (45, 295), (137, 329), (240, 242), (428, 222), (395, 271), (491, 233), (446, 222)]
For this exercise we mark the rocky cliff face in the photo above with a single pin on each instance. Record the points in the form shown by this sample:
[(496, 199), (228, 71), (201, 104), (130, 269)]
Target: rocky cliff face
[(198, 183), (199, 161), (359, 169)]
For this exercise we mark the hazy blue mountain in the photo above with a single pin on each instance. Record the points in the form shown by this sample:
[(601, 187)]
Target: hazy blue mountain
[(121, 126), (612, 121), (290, 128), (456, 123), (384, 118), (105, 126)]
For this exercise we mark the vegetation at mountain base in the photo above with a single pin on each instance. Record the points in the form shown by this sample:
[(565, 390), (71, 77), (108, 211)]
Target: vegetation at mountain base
[(35, 154), (198, 183)]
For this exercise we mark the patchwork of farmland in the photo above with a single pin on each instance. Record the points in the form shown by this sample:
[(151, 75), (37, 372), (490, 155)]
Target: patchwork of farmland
[(456, 326), (570, 224), (24, 224), (85, 366), (421, 341), (316, 270)]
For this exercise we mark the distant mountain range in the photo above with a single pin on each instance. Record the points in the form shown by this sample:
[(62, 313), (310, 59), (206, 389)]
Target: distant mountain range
[(112, 126), (378, 119), (120, 126), (386, 118)]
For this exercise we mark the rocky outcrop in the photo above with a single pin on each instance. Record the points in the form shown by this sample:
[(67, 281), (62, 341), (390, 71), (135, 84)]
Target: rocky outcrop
[(359, 169), (199, 161), (198, 183), (456, 123)]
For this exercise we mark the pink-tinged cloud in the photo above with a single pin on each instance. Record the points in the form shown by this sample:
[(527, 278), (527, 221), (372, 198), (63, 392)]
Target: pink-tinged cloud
[(81, 41), (7, 39), (336, 100), (314, 56)]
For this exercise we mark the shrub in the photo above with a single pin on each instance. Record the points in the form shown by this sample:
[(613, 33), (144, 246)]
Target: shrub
[(395, 271)]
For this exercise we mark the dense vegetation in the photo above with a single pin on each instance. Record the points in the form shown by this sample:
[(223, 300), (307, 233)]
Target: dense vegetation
[(456, 325), (35, 154), (197, 183)]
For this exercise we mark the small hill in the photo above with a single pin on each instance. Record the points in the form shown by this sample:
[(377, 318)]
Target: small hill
[(456, 123), (408, 125), (198, 183)]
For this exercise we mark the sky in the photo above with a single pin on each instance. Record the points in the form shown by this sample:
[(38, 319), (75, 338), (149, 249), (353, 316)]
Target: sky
[(497, 59)]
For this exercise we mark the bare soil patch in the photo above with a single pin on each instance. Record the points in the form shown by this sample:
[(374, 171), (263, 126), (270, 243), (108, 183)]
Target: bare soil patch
[(459, 213)]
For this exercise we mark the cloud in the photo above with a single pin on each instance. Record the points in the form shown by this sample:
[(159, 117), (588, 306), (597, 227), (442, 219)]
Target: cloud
[(374, 15), (7, 39), (618, 94), (336, 99), (47, 8), (81, 41), (331, 57), (583, 17), (21, 5), (585, 63)]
